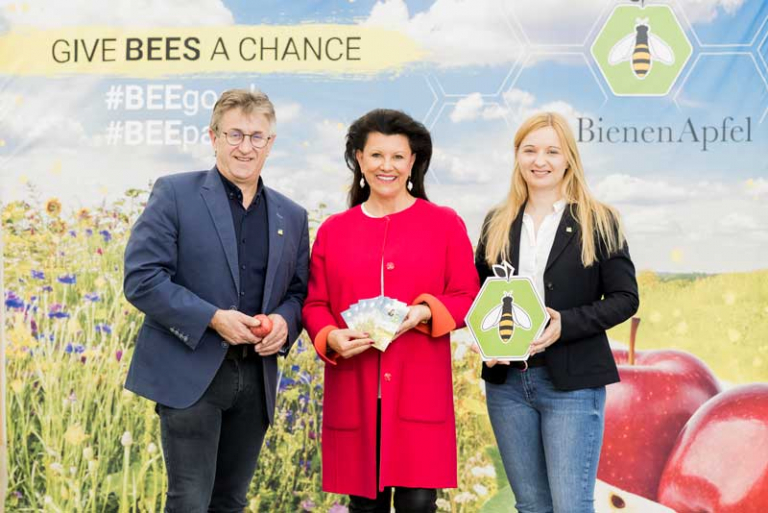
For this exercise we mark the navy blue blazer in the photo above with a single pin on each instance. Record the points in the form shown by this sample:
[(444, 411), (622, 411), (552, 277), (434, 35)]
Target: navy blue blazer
[(181, 266)]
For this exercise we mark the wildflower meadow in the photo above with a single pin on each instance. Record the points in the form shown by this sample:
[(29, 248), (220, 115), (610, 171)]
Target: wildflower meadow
[(77, 441)]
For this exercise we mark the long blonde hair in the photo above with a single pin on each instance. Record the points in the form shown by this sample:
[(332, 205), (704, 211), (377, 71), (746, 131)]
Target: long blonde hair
[(594, 218)]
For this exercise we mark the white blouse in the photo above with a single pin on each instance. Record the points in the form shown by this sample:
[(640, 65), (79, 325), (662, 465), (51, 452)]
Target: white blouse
[(535, 247)]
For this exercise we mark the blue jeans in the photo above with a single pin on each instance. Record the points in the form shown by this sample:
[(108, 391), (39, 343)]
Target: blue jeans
[(549, 440), (210, 449)]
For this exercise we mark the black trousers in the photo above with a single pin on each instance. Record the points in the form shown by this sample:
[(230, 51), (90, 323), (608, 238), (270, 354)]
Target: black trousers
[(407, 500), (211, 448)]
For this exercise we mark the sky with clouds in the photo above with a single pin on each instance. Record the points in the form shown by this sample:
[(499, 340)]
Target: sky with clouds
[(488, 64)]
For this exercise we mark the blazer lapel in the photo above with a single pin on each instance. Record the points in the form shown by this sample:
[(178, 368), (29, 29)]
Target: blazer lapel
[(215, 198), (563, 236), (276, 240), (514, 239)]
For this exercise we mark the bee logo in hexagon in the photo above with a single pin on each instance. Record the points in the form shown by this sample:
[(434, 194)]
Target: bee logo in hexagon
[(642, 48), (505, 317)]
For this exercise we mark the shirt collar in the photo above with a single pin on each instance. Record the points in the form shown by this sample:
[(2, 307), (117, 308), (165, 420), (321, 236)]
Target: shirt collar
[(233, 191), (557, 207)]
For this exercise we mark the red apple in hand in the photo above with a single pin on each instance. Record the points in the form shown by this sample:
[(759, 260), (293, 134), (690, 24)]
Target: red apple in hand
[(644, 413), (720, 461), (263, 329)]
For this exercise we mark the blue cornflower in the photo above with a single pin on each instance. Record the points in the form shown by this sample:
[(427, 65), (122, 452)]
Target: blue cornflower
[(92, 297), (58, 315), (47, 288), (67, 279), (12, 300), (105, 235), (285, 383), (104, 328), (38, 275), (88, 232), (73, 233)]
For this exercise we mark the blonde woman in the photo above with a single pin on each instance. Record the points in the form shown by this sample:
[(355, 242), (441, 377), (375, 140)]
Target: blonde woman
[(548, 414)]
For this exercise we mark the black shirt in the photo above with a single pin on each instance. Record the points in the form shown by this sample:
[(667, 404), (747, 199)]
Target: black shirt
[(252, 235)]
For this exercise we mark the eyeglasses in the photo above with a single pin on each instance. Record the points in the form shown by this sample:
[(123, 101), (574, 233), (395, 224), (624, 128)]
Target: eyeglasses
[(235, 137)]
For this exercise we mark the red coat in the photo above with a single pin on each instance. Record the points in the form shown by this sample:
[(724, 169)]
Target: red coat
[(424, 255)]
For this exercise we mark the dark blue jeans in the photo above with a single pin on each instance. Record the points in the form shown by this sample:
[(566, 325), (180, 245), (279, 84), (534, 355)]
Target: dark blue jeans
[(549, 440), (211, 448)]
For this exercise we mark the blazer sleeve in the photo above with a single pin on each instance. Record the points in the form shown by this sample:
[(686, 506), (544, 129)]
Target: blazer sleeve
[(151, 257), (450, 306), (318, 318), (620, 299), (290, 307)]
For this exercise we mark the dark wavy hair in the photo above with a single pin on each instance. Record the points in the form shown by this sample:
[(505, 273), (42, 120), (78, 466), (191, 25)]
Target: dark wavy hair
[(388, 122)]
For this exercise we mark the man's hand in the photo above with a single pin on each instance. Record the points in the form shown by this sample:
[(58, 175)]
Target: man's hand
[(348, 343), (275, 339), (234, 327)]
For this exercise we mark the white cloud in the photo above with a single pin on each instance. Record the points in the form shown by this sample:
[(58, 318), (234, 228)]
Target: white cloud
[(650, 221), (555, 21), (454, 32), (739, 221), (317, 173), (474, 106), (706, 11), (132, 13), (522, 105), (757, 188), (287, 112), (462, 167), (468, 108), (621, 188), (45, 112), (518, 105)]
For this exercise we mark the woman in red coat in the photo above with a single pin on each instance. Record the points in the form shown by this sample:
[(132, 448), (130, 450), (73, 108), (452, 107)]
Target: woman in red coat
[(388, 418)]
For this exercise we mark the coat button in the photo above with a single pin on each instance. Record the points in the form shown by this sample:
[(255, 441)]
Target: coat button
[(224, 344), (550, 286), (390, 266), (387, 376)]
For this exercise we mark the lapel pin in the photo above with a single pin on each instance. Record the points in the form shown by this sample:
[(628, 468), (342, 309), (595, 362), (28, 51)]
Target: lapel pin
[(280, 231), (568, 229)]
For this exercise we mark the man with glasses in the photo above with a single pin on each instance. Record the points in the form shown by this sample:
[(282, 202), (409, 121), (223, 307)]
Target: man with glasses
[(211, 250)]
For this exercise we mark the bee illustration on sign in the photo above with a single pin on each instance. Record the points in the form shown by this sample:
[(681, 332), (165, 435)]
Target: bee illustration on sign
[(642, 48), (505, 317)]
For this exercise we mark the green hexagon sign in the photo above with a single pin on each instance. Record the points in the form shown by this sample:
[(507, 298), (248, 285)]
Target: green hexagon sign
[(641, 50), (506, 316)]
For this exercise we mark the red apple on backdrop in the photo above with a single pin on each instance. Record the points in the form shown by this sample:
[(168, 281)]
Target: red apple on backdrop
[(263, 329), (720, 461), (645, 412)]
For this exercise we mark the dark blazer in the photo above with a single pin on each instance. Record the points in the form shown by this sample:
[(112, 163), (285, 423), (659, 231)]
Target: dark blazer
[(181, 266), (590, 300)]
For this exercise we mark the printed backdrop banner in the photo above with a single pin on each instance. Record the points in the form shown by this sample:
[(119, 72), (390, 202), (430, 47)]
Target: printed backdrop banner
[(668, 101)]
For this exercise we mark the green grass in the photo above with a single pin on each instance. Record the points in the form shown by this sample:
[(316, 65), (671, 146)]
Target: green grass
[(722, 319)]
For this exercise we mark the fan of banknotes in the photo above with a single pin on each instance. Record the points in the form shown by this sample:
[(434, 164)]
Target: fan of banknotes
[(379, 317)]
